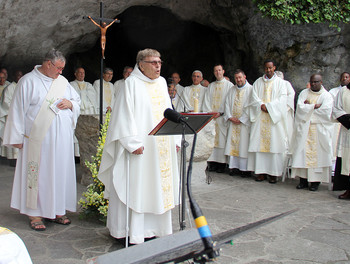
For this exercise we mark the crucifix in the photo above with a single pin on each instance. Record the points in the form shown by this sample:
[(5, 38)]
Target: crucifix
[(103, 27)]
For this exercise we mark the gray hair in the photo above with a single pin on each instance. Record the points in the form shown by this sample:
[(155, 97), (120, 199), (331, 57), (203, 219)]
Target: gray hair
[(198, 72), (54, 55), (142, 54), (105, 70), (127, 68)]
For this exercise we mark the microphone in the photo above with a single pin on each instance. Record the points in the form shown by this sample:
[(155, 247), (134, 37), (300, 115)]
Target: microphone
[(173, 115)]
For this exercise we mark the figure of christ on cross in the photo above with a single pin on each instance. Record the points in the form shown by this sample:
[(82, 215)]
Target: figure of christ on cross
[(103, 28)]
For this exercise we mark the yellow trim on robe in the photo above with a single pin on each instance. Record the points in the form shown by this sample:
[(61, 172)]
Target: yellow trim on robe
[(163, 144)]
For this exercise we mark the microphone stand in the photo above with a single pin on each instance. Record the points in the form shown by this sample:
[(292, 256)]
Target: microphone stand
[(182, 102), (184, 145), (200, 221)]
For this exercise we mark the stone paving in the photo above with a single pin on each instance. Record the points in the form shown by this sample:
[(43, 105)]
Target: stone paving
[(319, 232)]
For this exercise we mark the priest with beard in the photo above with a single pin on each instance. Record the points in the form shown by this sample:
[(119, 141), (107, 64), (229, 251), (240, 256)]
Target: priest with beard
[(150, 162)]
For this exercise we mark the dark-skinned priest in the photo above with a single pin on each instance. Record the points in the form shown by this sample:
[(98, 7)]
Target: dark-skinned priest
[(140, 172)]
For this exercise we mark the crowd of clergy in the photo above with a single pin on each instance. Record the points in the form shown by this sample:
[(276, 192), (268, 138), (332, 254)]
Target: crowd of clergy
[(261, 130)]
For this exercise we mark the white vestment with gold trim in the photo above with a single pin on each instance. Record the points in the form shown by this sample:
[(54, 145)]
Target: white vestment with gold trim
[(153, 176), (312, 138), (267, 143)]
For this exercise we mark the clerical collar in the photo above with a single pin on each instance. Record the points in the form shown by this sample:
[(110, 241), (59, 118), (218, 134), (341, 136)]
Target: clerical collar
[(137, 73), (240, 87), (269, 79), (318, 92)]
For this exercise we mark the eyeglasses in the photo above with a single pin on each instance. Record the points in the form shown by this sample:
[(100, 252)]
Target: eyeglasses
[(314, 82), (58, 68), (154, 63)]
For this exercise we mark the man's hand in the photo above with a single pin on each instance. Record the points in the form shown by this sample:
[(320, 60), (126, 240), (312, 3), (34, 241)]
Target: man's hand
[(263, 108), (139, 151), (317, 106), (234, 120), (109, 109), (65, 104), (19, 146), (306, 102)]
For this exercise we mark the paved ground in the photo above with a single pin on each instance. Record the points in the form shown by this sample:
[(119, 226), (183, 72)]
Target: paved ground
[(319, 232)]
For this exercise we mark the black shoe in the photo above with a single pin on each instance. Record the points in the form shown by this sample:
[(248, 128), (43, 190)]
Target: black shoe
[(314, 186), (234, 172), (245, 174), (260, 177), (303, 184), (273, 179), (212, 166), (221, 168)]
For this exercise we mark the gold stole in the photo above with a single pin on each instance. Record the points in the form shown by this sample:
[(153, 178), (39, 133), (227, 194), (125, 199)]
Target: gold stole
[(311, 140), (38, 132), (81, 85), (107, 93), (265, 125), (216, 103), (163, 144), (236, 129)]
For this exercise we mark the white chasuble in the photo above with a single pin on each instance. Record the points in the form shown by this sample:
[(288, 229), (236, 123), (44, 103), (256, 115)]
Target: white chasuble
[(88, 97), (311, 142), (238, 134), (267, 129), (342, 107), (154, 182)]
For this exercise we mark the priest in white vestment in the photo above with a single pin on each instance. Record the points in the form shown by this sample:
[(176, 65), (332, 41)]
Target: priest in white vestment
[(193, 95), (108, 91), (235, 114), (214, 101), (312, 147), (41, 122), (88, 99), (341, 112), (344, 81), (88, 96), (267, 113), (120, 84), (177, 102), (5, 102), (149, 162), (3, 80), (176, 79)]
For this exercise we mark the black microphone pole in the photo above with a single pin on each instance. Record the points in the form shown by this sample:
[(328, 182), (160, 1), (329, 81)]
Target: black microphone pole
[(199, 219)]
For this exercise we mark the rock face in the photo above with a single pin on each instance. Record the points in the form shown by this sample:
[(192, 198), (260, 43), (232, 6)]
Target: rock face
[(233, 33), (87, 133)]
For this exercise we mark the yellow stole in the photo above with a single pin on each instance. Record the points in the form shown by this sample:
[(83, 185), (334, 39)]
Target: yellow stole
[(38, 132)]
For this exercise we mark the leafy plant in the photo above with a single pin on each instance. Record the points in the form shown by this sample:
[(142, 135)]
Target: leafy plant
[(306, 11), (93, 203)]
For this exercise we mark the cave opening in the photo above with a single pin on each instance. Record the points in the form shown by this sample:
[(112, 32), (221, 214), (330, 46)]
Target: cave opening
[(185, 46)]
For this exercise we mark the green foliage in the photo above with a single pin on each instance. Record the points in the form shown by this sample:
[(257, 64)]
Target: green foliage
[(306, 11), (94, 204)]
